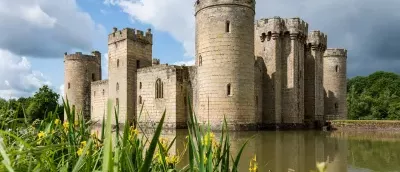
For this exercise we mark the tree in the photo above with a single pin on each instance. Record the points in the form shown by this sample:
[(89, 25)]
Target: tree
[(43, 102)]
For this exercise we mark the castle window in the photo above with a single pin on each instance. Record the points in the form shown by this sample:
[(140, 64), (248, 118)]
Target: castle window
[(94, 93), (337, 68), (137, 64), (103, 92), (69, 85), (336, 107), (200, 60), (93, 77), (140, 99), (228, 26), (117, 86), (140, 85), (228, 90), (117, 62), (184, 100), (159, 89)]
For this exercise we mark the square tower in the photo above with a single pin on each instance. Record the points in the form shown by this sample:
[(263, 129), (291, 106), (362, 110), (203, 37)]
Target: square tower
[(128, 50)]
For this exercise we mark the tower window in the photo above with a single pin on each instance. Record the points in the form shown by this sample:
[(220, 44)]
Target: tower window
[(337, 68), (140, 99), (117, 86), (336, 107), (69, 85), (228, 26), (117, 62), (137, 64), (200, 60), (94, 93), (93, 77), (140, 85), (103, 92), (228, 90), (159, 89)]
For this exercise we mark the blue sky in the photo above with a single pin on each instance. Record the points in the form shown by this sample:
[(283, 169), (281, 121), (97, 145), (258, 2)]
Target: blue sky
[(37, 33)]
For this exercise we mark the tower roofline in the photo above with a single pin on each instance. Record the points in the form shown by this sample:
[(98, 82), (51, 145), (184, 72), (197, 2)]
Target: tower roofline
[(336, 52), (132, 34), (202, 4), (96, 57)]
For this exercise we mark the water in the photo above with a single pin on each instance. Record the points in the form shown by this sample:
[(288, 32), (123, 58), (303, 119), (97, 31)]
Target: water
[(298, 151)]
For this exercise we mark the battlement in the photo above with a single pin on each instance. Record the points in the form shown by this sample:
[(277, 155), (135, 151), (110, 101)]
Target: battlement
[(296, 26), (132, 34), (96, 57), (156, 61), (202, 4), (272, 25), (335, 52), (100, 82), (317, 39)]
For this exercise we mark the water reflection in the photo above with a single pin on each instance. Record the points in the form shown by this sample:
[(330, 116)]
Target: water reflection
[(298, 151)]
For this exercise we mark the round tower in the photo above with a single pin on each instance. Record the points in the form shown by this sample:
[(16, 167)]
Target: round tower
[(225, 62), (335, 71), (79, 71)]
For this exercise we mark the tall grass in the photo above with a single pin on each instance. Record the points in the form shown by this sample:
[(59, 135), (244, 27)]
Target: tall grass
[(53, 145)]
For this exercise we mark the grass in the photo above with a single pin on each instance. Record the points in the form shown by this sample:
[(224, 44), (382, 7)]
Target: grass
[(53, 145)]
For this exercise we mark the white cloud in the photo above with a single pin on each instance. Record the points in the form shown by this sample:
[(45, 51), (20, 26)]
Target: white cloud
[(46, 28), (17, 79), (172, 16), (186, 63)]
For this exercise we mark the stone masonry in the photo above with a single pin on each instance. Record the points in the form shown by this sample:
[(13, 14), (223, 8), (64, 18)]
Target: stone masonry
[(266, 73)]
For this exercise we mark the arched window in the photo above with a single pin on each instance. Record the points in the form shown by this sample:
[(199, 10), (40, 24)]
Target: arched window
[(159, 89), (117, 62), (140, 85), (140, 99), (69, 85), (228, 26), (93, 77), (117, 86), (137, 64), (228, 90), (337, 68), (200, 60), (103, 92)]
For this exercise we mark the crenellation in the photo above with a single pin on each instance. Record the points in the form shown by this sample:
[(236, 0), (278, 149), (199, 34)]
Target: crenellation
[(203, 4), (336, 52), (132, 34), (296, 26), (317, 40)]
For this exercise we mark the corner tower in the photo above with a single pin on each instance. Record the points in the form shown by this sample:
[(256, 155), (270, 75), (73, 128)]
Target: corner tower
[(313, 77), (335, 70), (128, 50), (225, 62), (79, 71)]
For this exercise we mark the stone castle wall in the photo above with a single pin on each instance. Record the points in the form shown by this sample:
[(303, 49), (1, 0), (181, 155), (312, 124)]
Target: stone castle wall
[(99, 100), (225, 60), (79, 71), (335, 70), (314, 90), (174, 90)]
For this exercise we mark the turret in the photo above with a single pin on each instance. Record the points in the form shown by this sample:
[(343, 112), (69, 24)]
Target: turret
[(317, 40), (296, 27), (80, 70), (132, 34), (225, 62), (335, 75)]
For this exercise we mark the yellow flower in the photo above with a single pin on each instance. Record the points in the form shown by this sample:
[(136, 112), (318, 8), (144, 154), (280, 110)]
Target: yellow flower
[(41, 134), (83, 144), (253, 165), (76, 123), (321, 167), (79, 152), (57, 121), (66, 125), (172, 159)]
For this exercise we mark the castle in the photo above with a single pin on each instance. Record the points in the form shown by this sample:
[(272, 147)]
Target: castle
[(270, 72)]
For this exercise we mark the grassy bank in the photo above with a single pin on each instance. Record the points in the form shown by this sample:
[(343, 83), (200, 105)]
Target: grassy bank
[(55, 145), (393, 125)]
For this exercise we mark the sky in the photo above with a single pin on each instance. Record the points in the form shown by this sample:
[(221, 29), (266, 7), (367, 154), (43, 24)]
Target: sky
[(36, 33)]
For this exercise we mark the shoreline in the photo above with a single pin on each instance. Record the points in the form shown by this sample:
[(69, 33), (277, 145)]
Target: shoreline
[(365, 125)]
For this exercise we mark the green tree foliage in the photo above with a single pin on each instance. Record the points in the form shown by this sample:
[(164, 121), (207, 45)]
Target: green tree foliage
[(376, 96), (43, 101)]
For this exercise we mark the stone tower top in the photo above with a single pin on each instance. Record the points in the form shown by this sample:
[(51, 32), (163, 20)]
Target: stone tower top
[(132, 34), (296, 26), (335, 52), (202, 4), (317, 39), (273, 25), (96, 56)]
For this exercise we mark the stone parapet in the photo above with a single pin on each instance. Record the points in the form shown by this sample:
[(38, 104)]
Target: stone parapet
[(335, 52), (83, 57), (132, 34), (317, 39), (202, 4)]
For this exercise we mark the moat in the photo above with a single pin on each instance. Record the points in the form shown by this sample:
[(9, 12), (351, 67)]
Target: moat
[(298, 151)]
